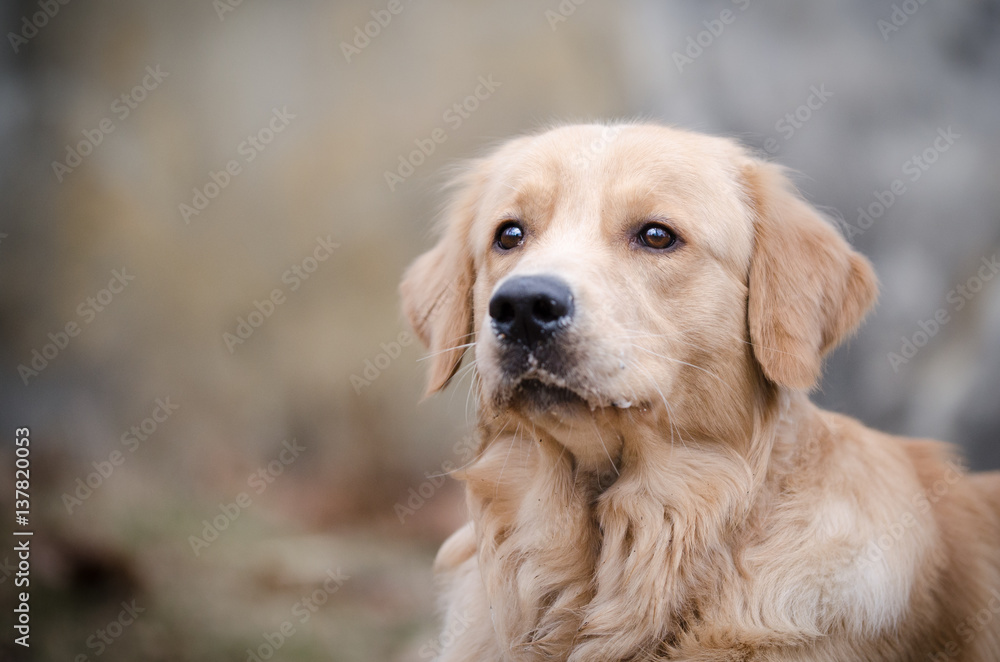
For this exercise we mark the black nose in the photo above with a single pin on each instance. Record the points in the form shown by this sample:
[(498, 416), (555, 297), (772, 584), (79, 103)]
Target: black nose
[(530, 309)]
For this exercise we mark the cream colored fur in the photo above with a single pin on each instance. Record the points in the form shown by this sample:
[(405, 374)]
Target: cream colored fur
[(698, 506)]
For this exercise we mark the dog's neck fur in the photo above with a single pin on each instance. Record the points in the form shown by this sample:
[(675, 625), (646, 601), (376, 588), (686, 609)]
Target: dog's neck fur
[(653, 530)]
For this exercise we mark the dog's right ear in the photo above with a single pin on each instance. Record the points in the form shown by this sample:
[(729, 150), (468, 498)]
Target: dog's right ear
[(437, 288)]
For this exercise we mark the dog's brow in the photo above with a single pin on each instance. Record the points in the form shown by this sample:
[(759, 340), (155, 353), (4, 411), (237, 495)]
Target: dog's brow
[(532, 198)]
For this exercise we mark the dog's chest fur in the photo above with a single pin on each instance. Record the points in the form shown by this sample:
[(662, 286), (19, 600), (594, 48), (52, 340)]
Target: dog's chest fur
[(645, 565)]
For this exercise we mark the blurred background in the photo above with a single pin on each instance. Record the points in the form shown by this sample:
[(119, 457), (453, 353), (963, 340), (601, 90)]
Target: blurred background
[(207, 207)]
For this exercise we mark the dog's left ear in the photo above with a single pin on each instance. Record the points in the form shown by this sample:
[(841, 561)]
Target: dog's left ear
[(437, 288), (808, 288)]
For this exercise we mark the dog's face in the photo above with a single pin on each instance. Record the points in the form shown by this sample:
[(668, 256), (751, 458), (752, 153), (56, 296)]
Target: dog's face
[(606, 264), (622, 273)]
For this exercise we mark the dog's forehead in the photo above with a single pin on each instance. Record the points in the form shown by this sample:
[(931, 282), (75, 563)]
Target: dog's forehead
[(599, 172)]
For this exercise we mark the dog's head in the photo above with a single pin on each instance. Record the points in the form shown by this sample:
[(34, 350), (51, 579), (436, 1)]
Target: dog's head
[(636, 271)]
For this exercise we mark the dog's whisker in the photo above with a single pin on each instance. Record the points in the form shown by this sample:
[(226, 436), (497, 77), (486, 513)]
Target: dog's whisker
[(468, 370), (468, 397), (691, 365), (459, 376), (462, 336), (445, 351), (668, 336)]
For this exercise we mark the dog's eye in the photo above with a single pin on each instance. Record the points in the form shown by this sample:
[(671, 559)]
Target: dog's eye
[(509, 235), (657, 236)]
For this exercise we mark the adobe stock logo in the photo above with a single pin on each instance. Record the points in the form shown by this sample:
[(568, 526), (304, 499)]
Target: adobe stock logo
[(792, 121), (249, 149), (294, 277), (229, 512), (899, 17), (957, 297), (381, 361), (121, 107), (912, 170), (86, 486), (418, 496), (103, 638), (87, 311), (563, 11), (381, 18), (698, 43), (38, 20), (454, 117), (223, 7)]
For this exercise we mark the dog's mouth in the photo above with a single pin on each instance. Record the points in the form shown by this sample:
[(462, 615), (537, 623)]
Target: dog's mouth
[(549, 380), (538, 395), (540, 392)]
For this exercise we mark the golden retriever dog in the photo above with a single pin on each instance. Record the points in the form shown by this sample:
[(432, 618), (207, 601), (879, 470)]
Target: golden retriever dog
[(649, 309)]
